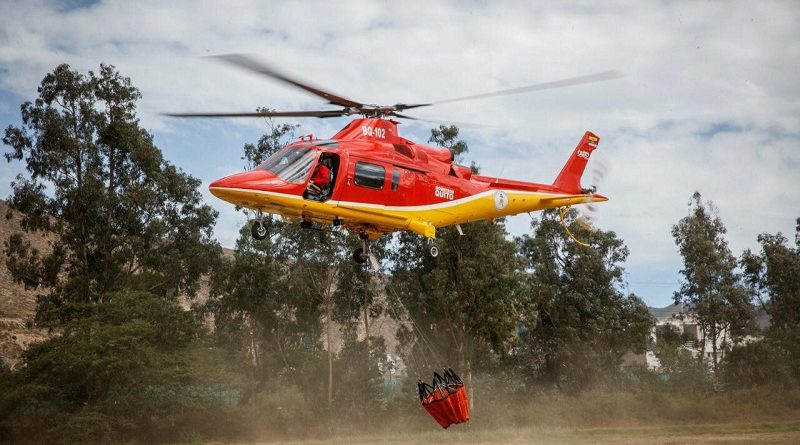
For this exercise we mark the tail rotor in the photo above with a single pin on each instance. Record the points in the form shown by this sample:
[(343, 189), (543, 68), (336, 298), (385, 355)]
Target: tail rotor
[(588, 213)]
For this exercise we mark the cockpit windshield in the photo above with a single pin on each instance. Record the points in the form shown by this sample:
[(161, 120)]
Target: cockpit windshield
[(291, 164)]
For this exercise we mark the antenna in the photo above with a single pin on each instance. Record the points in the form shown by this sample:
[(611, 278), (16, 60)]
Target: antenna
[(497, 179)]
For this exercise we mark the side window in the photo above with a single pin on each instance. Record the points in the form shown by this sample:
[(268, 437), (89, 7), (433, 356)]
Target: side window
[(369, 175), (395, 179)]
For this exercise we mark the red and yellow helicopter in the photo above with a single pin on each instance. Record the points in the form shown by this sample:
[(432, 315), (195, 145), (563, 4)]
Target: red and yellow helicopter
[(372, 181)]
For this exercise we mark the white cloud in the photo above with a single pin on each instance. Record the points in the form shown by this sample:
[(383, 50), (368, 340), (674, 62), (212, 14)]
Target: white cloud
[(692, 68)]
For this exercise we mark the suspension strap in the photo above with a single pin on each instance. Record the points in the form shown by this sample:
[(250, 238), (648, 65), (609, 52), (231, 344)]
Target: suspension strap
[(561, 213), (423, 339)]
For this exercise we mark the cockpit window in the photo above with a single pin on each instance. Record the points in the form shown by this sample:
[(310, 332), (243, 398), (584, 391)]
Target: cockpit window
[(325, 143), (291, 164)]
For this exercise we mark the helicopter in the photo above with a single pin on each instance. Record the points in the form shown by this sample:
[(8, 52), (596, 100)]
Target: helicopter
[(372, 181)]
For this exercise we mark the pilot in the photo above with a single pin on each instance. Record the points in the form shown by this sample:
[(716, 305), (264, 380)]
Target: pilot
[(320, 178)]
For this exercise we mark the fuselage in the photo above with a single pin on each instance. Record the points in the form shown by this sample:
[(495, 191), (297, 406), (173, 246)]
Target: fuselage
[(381, 182)]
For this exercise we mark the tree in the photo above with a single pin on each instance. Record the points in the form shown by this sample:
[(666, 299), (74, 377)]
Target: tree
[(710, 289), (358, 288), (132, 366), (116, 213), (287, 291), (462, 301), (576, 321), (271, 329), (772, 277), (320, 271)]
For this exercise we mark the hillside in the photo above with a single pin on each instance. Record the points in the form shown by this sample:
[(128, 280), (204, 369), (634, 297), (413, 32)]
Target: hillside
[(17, 304)]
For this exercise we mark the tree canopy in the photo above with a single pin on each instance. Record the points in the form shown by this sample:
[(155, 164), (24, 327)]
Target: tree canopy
[(772, 279), (577, 321), (117, 214), (711, 289)]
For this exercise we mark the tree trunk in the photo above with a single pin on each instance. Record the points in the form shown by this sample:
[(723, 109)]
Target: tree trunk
[(79, 189), (109, 244), (714, 335), (464, 366), (366, 327), (328, 321), (470, 388), (254, 363), (703, 345)]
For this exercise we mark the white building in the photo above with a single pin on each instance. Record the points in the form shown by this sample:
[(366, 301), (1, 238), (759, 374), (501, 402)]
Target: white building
[(695, 342)]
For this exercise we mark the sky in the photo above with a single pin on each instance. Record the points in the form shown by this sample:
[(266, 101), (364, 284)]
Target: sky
[(710, 99)]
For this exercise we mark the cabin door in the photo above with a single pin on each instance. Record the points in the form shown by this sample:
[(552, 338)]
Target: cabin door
[(324, 178), (365, 182)]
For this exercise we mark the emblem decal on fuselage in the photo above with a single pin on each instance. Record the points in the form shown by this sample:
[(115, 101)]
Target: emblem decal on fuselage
[(500, 200), (444, 192)]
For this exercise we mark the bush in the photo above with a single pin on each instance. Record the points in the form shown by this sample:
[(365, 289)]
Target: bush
[(760, 363), (133, 366)]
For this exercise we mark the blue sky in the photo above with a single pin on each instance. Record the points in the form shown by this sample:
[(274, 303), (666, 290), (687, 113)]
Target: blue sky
[(709, 101)]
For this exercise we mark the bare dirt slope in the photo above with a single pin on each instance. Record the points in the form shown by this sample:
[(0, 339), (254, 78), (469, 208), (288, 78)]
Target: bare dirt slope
[(17, 304)]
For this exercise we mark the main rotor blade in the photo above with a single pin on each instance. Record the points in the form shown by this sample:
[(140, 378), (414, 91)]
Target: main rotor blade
[(402, 107), (402, 116), (438, 121), (322, 113), (590, 78), (249, 63)]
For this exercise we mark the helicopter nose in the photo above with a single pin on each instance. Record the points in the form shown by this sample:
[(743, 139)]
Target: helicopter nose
[(246, 180), (246, 189)]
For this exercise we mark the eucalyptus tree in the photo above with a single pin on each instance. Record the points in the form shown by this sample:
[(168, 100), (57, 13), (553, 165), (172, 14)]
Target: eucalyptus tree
[(772, 276), (115, 212), (711, 288), (288, 291), (463, 301), (258, 314), (577, 321)]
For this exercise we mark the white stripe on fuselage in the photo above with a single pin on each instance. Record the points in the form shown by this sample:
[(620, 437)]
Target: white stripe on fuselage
[(436, 206)]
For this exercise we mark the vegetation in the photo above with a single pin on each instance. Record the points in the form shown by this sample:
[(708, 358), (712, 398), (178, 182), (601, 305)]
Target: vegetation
[(287, 345), (711, 289), (118, 216), (577, 322), (772, 280)]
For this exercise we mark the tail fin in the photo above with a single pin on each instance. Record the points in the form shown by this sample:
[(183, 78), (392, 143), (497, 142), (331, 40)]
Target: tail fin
[(569, 180)]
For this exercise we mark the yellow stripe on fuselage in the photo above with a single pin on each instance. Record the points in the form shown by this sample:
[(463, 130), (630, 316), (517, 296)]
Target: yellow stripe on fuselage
[(422, 219)]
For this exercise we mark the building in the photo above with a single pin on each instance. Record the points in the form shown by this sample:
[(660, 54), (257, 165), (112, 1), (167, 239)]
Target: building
[(695, 340)]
